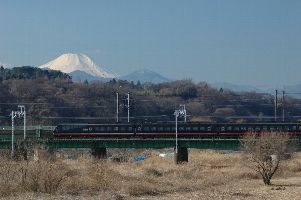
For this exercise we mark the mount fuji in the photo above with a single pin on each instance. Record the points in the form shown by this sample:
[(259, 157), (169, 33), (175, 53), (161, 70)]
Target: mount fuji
[(78, 66), (5, 65)]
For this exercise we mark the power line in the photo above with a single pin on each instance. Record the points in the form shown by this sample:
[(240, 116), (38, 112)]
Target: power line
[(75, 107)]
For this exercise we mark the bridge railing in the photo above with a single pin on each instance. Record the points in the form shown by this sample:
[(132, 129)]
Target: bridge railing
[(48, 128)]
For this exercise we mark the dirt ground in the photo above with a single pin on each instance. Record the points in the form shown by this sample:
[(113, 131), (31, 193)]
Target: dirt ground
[(207, 175)]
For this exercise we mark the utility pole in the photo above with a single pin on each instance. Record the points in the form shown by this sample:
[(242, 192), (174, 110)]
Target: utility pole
[(128, 107), (177, 113), (14, 114), (117, 107), (276, 103), (283, 103), (12, 134), (183, 108), (23, 112)]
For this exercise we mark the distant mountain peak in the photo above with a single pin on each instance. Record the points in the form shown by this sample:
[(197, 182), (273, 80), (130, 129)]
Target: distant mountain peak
[(145, 71), (236, 87), (71, 62), (145, 75)]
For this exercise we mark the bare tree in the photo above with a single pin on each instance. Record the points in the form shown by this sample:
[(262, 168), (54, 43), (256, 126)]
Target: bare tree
[(266, 150)]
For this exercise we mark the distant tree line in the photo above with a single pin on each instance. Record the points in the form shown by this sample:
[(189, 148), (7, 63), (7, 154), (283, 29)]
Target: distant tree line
[(51, 97), (27, 72)]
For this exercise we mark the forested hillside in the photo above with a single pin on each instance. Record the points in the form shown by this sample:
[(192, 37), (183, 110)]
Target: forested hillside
[(50, 97), (27, 72)]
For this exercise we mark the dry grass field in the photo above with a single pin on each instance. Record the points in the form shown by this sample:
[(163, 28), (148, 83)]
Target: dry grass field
[(207, 175)]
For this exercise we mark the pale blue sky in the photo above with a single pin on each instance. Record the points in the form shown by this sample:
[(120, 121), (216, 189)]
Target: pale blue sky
[(255, 42)]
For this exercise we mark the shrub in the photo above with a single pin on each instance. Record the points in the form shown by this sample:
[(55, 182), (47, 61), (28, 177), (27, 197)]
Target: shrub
[(9, 176), (265, 151), (103, 178), (44, 176)]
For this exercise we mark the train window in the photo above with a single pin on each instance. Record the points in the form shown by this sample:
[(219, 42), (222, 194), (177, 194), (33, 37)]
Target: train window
[(264, 128), (116, 128), (109, 128), (130, 129), (188, 128), (122, 129), (195, 128), (250, 128), (257, 128), (299, 127), (223, 128), (236, 128), (100, 128), (294, 128), (173, 128), (272, 128), (181, 128), (286, 128), (65, 127), (160, 129), (209, 128), (167, 128), (202, 128), (145, 128), (71, 127), (154, 128), (229, 128)]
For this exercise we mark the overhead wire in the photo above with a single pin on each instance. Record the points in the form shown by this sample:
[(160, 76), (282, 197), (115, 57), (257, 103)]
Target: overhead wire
[(63, 105)]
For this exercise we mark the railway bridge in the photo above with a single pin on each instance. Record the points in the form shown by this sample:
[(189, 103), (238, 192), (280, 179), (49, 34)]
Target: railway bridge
[(40, 137)]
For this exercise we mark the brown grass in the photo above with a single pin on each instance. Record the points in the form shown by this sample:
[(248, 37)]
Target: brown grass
[(208, 175)]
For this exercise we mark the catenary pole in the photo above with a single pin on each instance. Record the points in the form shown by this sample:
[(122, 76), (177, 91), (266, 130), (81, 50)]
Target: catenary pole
[(128, 107), (276, 103), (24, 113), (283, 104), (12, 134), (117, 107)]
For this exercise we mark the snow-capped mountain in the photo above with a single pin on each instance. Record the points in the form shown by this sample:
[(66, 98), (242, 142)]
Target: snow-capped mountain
[(70, 62), (145, 75), (5, 65), (82, 76)]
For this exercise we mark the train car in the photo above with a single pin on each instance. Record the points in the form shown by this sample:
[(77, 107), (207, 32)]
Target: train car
[(215, 129), (168, 129), (94, 130)]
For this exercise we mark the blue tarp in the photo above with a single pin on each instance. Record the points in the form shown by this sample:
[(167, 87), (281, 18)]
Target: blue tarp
[(138, 158)]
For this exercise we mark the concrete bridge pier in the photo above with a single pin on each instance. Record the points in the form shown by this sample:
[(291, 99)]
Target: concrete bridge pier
[(51, 154), (99, 152), (20, 152), (181, 156), (36, 154), (44, 154), (24, 153)]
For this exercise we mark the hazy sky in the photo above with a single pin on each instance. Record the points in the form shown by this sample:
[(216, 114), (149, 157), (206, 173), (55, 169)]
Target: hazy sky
[(254, 42)]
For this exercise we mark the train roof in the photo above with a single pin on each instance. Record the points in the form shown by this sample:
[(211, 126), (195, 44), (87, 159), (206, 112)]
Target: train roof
[(181, 122)]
